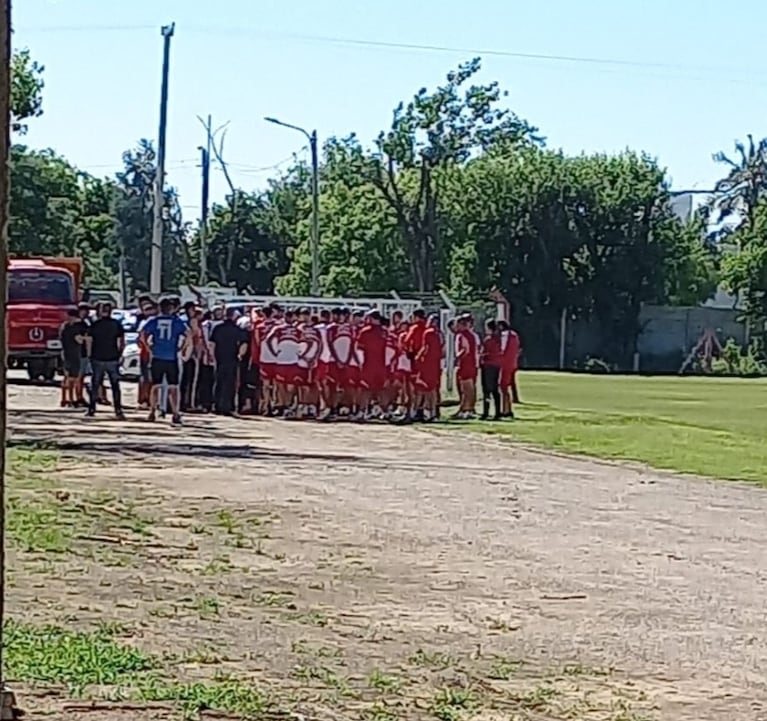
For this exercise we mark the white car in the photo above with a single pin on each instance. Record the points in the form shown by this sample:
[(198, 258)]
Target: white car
[(130, 364)]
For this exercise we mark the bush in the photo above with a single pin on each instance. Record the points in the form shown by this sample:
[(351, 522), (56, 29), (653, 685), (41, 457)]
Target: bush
[(734, 361)]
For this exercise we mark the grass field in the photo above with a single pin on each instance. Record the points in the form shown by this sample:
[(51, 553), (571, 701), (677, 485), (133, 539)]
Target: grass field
[(714, 427)]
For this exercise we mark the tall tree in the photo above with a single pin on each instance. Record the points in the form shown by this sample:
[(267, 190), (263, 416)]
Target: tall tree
[(429, 134), (745, 183), (26, 90), (132, 228)]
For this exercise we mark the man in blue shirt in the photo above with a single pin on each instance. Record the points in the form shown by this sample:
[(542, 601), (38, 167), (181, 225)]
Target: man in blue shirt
[(166, 336)]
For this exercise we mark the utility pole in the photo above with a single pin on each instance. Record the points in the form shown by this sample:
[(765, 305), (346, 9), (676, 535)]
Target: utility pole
[(7, 702), (155, 278), (204, 216), (315, 215), (312, 138)]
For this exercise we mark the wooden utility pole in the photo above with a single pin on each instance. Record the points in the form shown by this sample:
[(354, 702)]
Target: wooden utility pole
[(158, 226), (7, 705), (205, 153)]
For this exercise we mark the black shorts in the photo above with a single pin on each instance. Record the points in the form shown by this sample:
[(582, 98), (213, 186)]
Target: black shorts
[(72, 364), (164, 370)]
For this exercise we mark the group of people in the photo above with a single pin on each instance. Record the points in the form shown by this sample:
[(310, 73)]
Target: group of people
[(295, 363)]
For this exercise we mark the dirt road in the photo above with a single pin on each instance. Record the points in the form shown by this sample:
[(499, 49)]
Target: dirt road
[(551, 559)]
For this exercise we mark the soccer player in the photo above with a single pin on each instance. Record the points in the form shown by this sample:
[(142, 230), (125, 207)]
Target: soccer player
[(413, 344), (510, 350), (266, 358), (429, 364), (370, 351), (467, 360), (283, 341), (323, 374), (309, 351), (165, 334), (341, 346)]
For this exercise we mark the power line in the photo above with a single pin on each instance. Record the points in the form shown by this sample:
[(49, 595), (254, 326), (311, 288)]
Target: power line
[(417, 47)]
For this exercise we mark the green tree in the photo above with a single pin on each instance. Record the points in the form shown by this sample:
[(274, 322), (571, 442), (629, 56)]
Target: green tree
[(26, 90), (360, 249), (244, 249), (132, 213), (745, 273), (58, 210), (745, 183), (430, 134)]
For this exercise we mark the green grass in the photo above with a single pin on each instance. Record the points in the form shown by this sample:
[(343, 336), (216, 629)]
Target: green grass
[(713, 427), (93, 663)]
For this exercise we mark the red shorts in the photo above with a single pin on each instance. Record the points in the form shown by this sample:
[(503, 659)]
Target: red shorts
[(372, 379), (466, 373), (290, 374), (322, 372), (507, 377), (429, 380), (353, 374), (267, 371)]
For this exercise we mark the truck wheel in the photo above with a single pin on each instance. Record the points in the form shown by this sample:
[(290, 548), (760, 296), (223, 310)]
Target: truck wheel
[(35, 369), (49, 371)]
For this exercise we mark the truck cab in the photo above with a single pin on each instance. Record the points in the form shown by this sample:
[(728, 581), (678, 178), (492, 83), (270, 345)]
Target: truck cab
[(40, 292)]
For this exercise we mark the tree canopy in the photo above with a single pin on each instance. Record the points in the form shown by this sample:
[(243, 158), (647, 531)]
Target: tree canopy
[(458, 193)]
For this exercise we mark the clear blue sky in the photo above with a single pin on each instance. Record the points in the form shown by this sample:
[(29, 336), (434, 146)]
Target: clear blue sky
[(690, 85)]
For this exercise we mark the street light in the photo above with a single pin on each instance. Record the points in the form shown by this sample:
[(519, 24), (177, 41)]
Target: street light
[(312, 138)]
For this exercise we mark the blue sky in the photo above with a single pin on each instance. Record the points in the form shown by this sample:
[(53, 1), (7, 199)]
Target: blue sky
[(680, 87)]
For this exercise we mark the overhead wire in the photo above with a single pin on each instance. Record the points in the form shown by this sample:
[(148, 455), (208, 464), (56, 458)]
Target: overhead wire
[(410, 46)]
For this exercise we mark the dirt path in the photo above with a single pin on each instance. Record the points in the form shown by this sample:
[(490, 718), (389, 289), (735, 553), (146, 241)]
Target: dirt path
[(551, 559)]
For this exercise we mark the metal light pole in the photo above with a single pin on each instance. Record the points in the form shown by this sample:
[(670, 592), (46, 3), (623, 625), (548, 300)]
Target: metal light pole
[(312, 138)]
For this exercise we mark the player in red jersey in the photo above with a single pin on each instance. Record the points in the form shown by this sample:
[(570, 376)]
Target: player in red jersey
[(355, 363), (323, 374), (413, 344), (370, 349), (310, 346), (391, 391), (267, 360), (429, 363), (283, 342), (403, 374), (467, 362), (510, 347), (341, 346)]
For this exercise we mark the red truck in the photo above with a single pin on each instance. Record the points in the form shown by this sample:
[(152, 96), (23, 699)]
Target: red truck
[(40, 292)]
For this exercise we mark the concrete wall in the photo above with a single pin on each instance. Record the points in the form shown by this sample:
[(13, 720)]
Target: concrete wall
[(668, 335), (668, 330)]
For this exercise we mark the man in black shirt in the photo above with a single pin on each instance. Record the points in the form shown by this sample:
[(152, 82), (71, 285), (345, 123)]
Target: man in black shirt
[(230, 344), (72, 337), (105, 342)]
